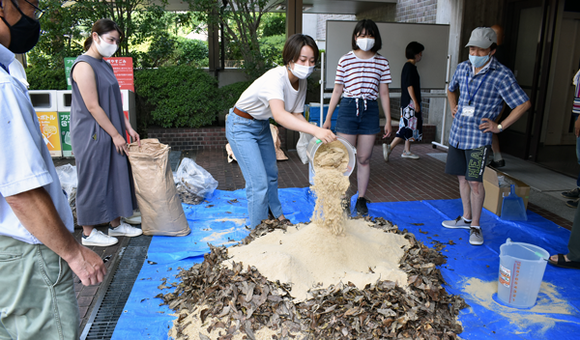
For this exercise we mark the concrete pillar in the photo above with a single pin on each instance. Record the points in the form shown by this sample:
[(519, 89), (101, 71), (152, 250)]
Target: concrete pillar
[(449, 12)]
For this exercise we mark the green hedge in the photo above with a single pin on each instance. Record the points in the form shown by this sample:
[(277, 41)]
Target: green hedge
[(170, 97), (178, 96), (230, 94), (41, 78)]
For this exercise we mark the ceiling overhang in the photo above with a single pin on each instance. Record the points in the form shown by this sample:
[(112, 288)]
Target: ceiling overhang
[(350, 7)]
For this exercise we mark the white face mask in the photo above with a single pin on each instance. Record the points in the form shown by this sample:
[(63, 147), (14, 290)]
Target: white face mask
[(301, 71), (105, 49), (365, 44)]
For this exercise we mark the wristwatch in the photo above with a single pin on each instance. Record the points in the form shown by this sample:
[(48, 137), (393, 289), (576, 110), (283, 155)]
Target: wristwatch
[(500, 127)]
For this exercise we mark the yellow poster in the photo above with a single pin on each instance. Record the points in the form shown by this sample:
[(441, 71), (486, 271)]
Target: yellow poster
[(49, 128)]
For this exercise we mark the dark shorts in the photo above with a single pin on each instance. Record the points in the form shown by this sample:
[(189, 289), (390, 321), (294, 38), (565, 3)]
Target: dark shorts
[(367, 121), (468, 163)]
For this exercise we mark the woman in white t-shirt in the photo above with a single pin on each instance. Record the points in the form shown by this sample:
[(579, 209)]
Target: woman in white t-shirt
[(279, 94), (362, 76)]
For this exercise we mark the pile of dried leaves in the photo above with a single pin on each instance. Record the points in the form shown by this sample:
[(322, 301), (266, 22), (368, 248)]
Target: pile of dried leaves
[(245, 301)]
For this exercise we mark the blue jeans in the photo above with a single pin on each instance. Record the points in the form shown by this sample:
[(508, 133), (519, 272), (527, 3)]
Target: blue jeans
[(253, 146), (578, 158)]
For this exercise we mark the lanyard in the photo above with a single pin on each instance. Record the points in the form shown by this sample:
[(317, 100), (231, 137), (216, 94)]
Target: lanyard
[(467, 84), (4, 67)]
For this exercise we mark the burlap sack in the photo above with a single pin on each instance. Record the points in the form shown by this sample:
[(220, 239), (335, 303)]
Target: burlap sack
[(160, 206)]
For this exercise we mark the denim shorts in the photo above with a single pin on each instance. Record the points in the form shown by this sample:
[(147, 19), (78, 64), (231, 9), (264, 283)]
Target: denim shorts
[(367, 121), (468, 163)]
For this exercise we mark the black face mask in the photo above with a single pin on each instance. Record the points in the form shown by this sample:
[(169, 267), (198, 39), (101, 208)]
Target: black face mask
[(24, 34)]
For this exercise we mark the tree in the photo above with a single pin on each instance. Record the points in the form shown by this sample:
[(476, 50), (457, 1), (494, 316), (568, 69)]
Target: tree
[(67, 23), (241, 20), (274, 24)]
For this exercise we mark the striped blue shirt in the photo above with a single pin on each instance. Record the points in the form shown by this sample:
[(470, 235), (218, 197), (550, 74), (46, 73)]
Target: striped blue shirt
[(487, 90)]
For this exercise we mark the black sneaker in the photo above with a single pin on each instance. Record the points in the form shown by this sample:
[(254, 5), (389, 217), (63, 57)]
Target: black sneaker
[(498, 164), (361, 206), (572, 194), (571, 204)]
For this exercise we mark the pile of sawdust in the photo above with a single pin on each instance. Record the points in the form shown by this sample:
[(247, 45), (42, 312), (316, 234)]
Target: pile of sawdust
[(331, 249), (194, 328), (309, 256)]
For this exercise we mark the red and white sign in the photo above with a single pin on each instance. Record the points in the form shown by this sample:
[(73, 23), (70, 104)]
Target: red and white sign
[(123, 69)]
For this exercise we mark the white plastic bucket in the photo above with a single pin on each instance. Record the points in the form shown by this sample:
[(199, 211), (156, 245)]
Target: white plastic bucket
[(315, 143), (521, 270)]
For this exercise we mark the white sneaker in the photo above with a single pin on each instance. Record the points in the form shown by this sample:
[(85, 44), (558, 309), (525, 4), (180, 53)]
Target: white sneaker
[(458, 223), (386, 151), (475, 236), (133, 219), (98, 239), (125, 230), (409, 155)]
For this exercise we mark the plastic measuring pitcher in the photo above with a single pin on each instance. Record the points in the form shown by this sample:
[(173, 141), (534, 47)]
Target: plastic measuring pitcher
[(521, 270)]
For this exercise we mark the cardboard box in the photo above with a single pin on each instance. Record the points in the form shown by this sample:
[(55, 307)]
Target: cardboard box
[(494, 194)]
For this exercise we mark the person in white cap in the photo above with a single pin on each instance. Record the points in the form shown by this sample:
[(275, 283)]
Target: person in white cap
[(476, 94)]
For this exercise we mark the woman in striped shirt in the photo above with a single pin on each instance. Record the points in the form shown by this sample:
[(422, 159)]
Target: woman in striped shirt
[(362, 76)]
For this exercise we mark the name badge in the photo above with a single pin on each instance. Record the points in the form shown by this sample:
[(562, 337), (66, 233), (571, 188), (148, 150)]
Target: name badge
[(468, 111)]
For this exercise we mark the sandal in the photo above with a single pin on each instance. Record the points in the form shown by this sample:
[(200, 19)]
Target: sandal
[(563, 263)]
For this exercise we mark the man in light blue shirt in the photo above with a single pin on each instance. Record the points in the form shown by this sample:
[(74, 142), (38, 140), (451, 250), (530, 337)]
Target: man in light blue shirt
[(38, 252), (476, 94)]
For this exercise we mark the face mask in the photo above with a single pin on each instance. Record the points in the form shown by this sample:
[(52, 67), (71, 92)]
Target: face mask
[(106, 49), (478, 61), (365, 44), (24, 34), (301, 71)]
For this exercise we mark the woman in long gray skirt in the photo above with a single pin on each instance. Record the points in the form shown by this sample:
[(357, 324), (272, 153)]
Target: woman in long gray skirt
[(105, 188)]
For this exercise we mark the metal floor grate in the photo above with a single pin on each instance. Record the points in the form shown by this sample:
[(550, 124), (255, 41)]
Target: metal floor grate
[(111, 302)]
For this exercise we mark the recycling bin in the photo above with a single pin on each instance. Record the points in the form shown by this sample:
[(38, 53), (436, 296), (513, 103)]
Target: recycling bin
[(314, 115), (128, 98), (45, 104), (63, 106)]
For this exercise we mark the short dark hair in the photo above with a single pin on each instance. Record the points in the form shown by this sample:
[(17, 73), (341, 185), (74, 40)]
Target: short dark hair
[(294, 45), (413, 49), (370, 28), (493, 47), (101, 27)]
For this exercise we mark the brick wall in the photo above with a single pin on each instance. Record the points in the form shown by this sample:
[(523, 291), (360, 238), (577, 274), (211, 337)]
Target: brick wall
[(215, 137), (420, 11), (191, 139), (321, 23), (386, 13)]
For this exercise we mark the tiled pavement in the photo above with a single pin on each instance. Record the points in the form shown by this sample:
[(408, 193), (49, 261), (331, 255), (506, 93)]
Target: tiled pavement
[(398, 180)]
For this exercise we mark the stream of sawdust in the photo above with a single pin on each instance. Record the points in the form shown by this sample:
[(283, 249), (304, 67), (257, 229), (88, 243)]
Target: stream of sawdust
[(330, 185)]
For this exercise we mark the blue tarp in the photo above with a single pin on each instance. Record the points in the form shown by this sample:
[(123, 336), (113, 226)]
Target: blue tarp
[(470, 271)]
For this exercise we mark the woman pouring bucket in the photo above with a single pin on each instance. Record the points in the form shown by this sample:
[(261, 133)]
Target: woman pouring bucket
[(279, 94)]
